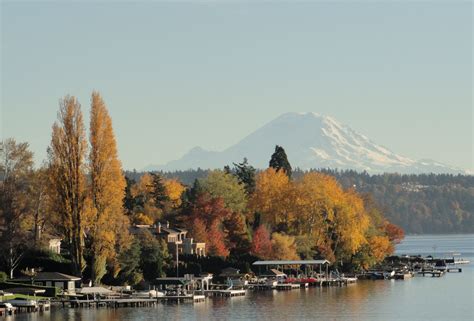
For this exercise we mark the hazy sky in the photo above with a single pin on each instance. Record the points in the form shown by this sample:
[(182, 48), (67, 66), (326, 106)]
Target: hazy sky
[(179, 75)]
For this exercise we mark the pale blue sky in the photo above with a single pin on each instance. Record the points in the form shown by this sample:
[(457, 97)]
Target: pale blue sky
[(179, 75)]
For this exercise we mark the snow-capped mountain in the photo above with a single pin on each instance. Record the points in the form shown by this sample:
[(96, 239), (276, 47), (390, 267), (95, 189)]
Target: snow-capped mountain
[(310, 141)]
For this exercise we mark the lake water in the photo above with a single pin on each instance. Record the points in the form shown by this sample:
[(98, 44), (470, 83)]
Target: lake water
[(448, 298)]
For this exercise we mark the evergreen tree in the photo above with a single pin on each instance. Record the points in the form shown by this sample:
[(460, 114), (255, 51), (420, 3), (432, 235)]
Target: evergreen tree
[(279, 161), (246, 175), (159, 191)]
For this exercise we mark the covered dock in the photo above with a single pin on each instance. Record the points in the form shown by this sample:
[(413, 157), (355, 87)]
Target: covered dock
[(314, 272), (311, 266)]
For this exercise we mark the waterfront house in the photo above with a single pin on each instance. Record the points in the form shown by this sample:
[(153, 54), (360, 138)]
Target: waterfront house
[(56, 279), (175, 237)]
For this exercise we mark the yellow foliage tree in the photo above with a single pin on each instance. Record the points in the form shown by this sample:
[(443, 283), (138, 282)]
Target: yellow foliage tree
[(174, 190), (284, 247), (380, 246), (271, 196), (67, 175), (108, 224)]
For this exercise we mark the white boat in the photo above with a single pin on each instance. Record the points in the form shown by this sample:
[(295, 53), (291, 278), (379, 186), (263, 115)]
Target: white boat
[(461, 261), (388, 274)]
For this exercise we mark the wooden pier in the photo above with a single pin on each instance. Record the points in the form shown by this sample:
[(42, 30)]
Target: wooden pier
[(288, 286), (225, 293), (434, 273), (182, 298), (109, 303)]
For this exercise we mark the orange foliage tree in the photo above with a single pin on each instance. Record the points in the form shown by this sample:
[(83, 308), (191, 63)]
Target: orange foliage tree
[(67, 175), (261, 243), (108, 225)]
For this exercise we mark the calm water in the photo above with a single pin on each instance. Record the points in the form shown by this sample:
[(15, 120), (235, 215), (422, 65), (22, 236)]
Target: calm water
[(447, 298)]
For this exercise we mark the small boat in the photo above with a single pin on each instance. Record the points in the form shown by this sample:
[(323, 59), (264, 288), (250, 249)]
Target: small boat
[(388, 274)]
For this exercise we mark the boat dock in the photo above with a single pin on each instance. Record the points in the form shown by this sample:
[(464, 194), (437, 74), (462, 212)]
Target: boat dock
[(434, 273), (288, 286), (109, 303), (225, 293), (182, 298)]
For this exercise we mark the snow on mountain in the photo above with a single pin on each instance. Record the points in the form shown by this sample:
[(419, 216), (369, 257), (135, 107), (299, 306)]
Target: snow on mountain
[(310, 141)]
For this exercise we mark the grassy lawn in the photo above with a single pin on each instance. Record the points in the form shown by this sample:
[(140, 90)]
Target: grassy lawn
[(15, 296)]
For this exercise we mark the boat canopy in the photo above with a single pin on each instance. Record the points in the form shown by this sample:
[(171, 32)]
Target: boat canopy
[(292, 262)]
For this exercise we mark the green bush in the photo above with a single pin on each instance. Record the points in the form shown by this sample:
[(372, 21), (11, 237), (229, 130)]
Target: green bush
[(3, 276)]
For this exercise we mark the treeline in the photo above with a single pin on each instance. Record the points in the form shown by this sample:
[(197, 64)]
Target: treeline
[(425, 203), (419, 203)]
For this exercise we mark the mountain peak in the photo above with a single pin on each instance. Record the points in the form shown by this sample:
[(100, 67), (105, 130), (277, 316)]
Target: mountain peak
[(311, 140)]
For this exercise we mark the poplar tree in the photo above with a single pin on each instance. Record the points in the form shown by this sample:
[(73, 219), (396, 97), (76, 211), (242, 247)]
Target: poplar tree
[(67, 175), (108, 225)]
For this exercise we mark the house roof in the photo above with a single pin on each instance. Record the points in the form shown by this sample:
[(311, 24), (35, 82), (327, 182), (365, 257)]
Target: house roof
[(51, 276), (27, 291), (94, 290)]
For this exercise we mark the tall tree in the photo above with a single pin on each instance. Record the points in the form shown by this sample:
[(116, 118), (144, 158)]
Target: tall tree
[(261, 243), (279, 161), (159, 191), (246, 175), (108, 225), (15, 169), (67, 174), (226, 186), (39, 219)]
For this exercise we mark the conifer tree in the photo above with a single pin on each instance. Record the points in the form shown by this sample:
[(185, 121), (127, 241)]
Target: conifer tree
[(159, 193), (279, 161), (246, 175)]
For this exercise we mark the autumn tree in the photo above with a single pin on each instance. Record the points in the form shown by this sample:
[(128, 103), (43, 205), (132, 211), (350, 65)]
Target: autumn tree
[(67, 174), (216, 240), (279, 161), (219, 184), (15, 169), (283, 247), (142, 194), (237, 234), (394, 232), (271, 197), (108, 226), (174, 191), (205, 223), (261, 243)]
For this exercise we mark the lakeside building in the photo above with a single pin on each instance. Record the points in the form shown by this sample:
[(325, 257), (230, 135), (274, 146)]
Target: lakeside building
[(60, 280), (175, 237)]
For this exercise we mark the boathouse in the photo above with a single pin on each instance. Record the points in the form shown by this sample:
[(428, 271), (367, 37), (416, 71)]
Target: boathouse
[(56, 279)]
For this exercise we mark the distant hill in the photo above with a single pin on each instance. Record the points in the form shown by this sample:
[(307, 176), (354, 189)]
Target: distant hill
[(310, 141)]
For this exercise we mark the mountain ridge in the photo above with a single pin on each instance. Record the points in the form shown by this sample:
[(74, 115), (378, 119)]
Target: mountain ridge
[(311, 140)]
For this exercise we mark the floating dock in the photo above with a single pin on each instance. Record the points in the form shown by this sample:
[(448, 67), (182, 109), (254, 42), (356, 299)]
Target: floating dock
[(225, 293)]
